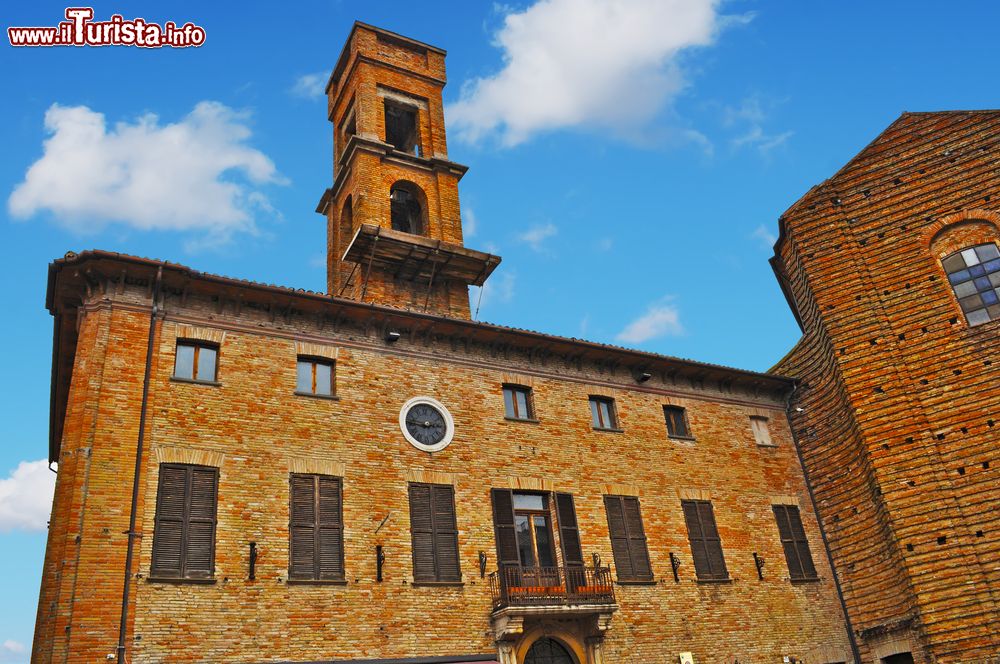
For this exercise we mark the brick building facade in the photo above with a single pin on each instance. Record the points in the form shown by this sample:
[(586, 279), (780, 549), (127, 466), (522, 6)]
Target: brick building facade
[(249, 473), (891, 268)]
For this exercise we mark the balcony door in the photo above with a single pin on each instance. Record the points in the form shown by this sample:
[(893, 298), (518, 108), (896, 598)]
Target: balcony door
[(535, 543)]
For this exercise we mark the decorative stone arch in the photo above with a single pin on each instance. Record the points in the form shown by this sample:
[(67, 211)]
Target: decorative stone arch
[(573, 644), (408, 208), (956, 231)]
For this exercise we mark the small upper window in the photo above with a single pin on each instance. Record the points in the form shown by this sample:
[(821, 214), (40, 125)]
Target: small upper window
[(401, 127), (314, 376), (195, 361), (974, 274), (602, 413), (761, 433), (407, 214), (676, 422), (517, 403)]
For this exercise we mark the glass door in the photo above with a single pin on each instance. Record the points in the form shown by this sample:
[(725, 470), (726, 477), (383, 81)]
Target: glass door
[(535, 543)]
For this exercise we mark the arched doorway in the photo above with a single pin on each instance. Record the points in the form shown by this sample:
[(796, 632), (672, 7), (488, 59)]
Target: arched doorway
[(547, 651)]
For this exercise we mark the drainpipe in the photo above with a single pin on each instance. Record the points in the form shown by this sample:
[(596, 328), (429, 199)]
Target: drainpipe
[(138, 468), (822, 531)]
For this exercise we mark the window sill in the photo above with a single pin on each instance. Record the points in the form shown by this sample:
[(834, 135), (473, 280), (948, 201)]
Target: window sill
[(178, 579), (637, 582), (316, 582), (439, 584), (806, 581), (527, 420), (608, 430), (767, 446), (192, 381), (326, 397), (714, 581), (686, 439)]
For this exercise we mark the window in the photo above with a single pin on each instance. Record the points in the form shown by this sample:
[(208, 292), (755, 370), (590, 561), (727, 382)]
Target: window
[(602, 413), (517, 403), (401, 127), (706, 547), (793, 539), (761, 433), (406, 211), (316, 528), (435, 533), (676, 418), (196, 361), (974, 274), (314, 376), (628, 539), (184, 526), (523, 528)]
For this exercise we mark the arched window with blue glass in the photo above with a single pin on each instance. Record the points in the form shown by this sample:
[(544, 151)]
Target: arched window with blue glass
[(974, 274)]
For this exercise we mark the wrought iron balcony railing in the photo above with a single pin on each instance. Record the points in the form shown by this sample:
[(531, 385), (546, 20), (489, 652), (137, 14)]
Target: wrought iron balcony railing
[(551, 586)]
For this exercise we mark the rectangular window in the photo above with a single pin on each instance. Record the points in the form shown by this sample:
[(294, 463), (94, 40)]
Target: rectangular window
[(195, 361), (628, 539), (793, 539), (434, 531), (316, 528), (602, 413), (401, 127), (761, 433), (676, 422), (184, 526), (706, 546), (517, 403), (315, 376)]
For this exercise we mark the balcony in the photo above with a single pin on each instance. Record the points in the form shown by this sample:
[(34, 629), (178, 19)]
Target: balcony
[(551, 586)]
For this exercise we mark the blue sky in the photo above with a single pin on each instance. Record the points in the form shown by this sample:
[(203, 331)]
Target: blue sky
[(632, 186)]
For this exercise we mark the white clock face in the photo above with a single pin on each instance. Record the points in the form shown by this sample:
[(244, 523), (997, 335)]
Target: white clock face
[(426, 424)]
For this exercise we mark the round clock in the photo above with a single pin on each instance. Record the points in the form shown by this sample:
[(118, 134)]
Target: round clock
[(426, 423)]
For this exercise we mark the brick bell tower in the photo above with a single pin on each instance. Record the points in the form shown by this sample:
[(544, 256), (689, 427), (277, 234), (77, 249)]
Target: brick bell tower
[(394, 226)]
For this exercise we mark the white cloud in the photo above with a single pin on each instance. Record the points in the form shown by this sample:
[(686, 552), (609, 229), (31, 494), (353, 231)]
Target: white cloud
[(661, 319), (766, 237), (469, 222), (575, 63), (749, 117), (197, 175), (311, 86), (14, 647), (536, 235), (26, 497), (498, 288)]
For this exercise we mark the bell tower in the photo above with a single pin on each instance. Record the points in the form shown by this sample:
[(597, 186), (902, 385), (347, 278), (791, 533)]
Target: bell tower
[(394, 226)]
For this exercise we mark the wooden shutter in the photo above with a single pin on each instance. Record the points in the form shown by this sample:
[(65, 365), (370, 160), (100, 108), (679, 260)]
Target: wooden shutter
[(445, 532), (569, 532), (184, 529), (628, 538), (794, 542), (434, 532), (503, 527), (329, 528), (316, 528), (706, 546)]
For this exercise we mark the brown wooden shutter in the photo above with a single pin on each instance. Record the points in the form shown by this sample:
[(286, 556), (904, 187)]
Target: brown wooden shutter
[(569, 532), (302, 529), (637, 539), (794, 542), (445, 533), (619, 537), (184, 529), (706, 546), (329, 528), (422, 532), (200, 545), (168, 531), (628, 538), (503, 528)]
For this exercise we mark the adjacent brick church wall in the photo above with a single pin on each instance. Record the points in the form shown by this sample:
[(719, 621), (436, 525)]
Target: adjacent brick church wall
[(255, 429), (899, 395)]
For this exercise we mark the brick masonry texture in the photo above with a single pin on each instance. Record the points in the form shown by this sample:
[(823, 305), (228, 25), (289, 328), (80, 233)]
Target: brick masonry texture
[(899, 397), (256, 431)]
